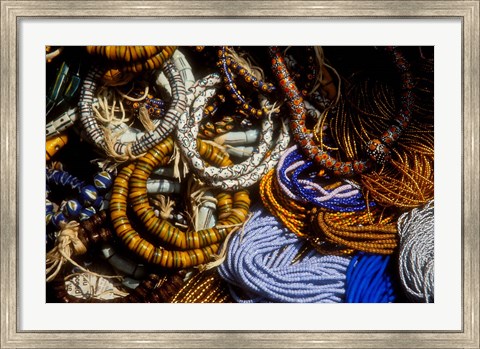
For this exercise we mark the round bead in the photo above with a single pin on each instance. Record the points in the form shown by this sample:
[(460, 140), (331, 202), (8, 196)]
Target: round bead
[(73, 208), (86, 213), (98, 202), (88, 195), (102, 181), (58, 219), (378, 152), (49, 211)]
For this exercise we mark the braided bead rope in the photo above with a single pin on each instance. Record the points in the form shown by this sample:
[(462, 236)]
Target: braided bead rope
[(341, 196)]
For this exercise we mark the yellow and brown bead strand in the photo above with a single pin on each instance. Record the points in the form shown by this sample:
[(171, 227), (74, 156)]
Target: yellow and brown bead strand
[(128, 61), (210, 128), (137, 244), (125, 54), (194, 247)]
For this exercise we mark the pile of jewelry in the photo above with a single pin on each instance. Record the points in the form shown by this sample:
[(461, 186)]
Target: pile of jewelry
[(239, 174)]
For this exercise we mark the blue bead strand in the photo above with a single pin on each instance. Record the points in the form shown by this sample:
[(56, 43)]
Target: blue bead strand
[(88, 199), (297, 178)]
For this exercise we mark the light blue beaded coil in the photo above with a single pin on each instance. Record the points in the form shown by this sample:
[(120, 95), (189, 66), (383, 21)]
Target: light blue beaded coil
[(261, 266)]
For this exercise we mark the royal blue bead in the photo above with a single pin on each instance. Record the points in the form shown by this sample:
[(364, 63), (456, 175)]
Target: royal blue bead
[(73, 208), (58, 219), (98, 202), (86, 213), (88, 195), (49, 211), (102, 181), (48, 206)]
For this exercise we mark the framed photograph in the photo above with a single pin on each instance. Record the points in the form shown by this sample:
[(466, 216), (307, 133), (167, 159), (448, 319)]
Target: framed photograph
[(322, 43)]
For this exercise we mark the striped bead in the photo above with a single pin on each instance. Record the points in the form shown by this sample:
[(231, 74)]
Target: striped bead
[(86, 213), (88, 195), (73, 208), (58, 219), (102, 181)]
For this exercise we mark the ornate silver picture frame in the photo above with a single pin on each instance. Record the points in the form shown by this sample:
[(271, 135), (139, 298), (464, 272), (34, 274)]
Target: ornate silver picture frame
[(13, 12)]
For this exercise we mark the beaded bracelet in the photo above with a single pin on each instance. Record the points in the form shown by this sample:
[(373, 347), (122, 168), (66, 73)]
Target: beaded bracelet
[(237, 176), (377, 149), (193, 248), (146, 141)]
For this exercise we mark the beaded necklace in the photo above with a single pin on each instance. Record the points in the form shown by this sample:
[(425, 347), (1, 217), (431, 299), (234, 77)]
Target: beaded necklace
[(146, 141), (89, 198), (377, 149), (406, 181), (193, 247), (226, 63), (237, 176)]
